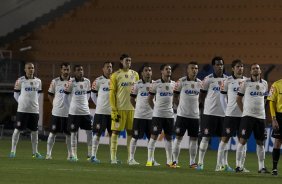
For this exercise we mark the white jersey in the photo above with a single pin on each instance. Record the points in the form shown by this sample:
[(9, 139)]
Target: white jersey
[(230, 87), (189, 97), (56, 89), (101, 87), (163, 92), (211, 85), (79, 91), (254, 94), (29, 90), (140, 90)]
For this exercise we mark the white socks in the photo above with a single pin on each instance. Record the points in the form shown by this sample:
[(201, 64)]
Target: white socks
[(89, 142), (151, 149), (74, 144), (261, 156), (34, 141), (50, 143), (95, 145), (203, 148), (176, 149), (193, 148), (168, 150), (15, 140), (68, 143), (133, 143), (239, 154)]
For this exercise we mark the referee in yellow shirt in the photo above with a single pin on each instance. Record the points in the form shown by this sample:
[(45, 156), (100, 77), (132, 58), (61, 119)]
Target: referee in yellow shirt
[(122, 115), (275, 104)]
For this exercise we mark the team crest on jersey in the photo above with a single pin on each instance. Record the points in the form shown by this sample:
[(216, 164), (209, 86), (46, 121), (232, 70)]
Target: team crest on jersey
[(177, 130), (53, 127), (257, 87), (192, 86), (155, 128), (228, 130), (243, 132), (18, 123), (206, 131), (126, 76), (167, 88), (117, 124), (135, 132), (81, 86), (98, 126), (31, 83)]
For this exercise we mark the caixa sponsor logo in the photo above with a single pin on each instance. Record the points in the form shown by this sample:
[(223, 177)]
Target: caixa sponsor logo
[(106, 89), (191, 92), (61, 91), (165, 94), (31, 89), (257, 93), (216, 88), (80, 92), (144, 94), (126, 84), (236, 89)]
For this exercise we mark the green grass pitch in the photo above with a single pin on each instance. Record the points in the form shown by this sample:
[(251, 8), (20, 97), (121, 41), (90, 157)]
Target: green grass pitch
[(25, 170)]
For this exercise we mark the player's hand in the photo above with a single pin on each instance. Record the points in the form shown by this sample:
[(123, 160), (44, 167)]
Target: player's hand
[(275, 124), (115, 116)]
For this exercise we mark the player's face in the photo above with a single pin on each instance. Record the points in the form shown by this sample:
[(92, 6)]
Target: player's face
[(192, 70), (78, 72), (65, 71), (218, 67), (147, 73), (255, 70), (166, 71), (238, 69), (126, 63), (108, 69), (29, 69)]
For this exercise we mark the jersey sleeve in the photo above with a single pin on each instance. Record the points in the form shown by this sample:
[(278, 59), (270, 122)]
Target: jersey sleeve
[(51, 90), (266, 94), (113, 90), (95, 86), (88, 86), (273, 93), (134, 90), (40, 86), (17, 87), (136, 76)]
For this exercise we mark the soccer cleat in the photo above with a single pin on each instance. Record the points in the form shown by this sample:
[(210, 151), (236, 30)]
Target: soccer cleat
[(94, 160), (155, 163), (174, 165), (48, 157), (88, 158), (12, 155), (73, 159), (274, 172), (132, 162), (200, 167), (149, 164), (219, 168), (115, 162), (193, 166), (37, 156), (245, 170), (227, 168), (238, 169), (263, 171)]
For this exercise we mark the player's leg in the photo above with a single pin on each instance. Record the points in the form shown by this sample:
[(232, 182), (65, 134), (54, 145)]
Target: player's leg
[(73, 124), (138, 132), (179, 129), (52, 136), (33, 126), (193, 131), (168, 131), (19, 126), (128, 127)]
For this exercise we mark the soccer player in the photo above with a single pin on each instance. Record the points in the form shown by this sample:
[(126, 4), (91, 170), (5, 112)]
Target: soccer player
[(59, 119), (229, 91), (79, 88), (254, 90), (143, 112), (275, 105), (102, 118), (163, 116), (186, 92), (27, 92), (122, 114), (213, 116)]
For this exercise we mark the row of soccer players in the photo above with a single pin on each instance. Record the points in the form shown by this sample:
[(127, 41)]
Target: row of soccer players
[(117, 95)]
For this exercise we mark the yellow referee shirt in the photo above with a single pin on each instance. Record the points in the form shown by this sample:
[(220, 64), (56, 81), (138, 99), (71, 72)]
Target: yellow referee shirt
[(275, 97), (120, 87)]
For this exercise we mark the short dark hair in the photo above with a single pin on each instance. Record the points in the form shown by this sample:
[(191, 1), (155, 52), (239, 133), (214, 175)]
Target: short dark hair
[(253, 65), (76, 66), (65, 64), (163, 66), (192, 63), (107, 62), (144, 66), (217, 58), (123, 56), (235, 62)]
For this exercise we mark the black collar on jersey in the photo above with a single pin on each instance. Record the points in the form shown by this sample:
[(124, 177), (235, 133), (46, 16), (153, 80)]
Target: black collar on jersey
[(144, 82), (61, 79), (28, 78), (164, 81), (76, 80), (188, 79), (236, 77), (256, 81), (215, 76), (105, 76)]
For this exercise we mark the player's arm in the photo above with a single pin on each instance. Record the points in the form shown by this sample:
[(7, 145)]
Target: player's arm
[(204, 91), (17, 90), (133, 94), (272, 106), (239, 101), (51, 92), (176, 93), (67, 91), (151, 100), (40, 90), (113, 91)]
